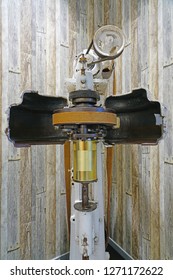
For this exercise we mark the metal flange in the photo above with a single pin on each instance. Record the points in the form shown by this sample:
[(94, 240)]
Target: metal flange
[(85, 117)]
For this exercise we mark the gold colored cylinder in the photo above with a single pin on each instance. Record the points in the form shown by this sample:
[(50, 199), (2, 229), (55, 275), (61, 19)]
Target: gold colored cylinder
[(85, 161)]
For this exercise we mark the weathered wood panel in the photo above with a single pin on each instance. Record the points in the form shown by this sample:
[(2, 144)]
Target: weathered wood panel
[(25, 162), (0, 115), (4, 143), (151, 67), (50, 241), (39, 40)]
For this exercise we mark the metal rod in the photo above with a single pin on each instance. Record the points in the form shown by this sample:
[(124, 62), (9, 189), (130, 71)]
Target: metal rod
[(102, 59), (85, 198), (89, 47)]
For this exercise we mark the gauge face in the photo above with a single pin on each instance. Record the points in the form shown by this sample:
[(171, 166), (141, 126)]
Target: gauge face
[(109, 41)]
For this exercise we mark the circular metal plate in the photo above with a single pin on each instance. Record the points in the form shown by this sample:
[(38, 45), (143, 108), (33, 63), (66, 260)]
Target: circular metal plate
[(109, 41), (91, 207), (84, 117)]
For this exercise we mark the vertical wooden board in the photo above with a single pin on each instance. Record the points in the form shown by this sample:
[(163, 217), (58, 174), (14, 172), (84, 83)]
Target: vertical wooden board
[(98, 14), (83, 6), (134, 10), (38, 201), (127, 234), (112, 11), (40, 226), (153, 48), (145, 197), (113, 211), (14, 35), (64, 242), (62, 50), (26, 43), (145, 249), (126, 20), (139, 32), (33, 46), (127, 166), (25, 204), (25, 82), (51, 203), (64, 70), (50, 229), (168, 102), (13, 153), (40, 40), (64, 23), (60, 191), (4, 96), (40, 169), (26, 28), (81, 9), (41, 15), (134, 44), (161, 146), (168, 200), (143, 35), (127, 198), (117, 12), (40, 62), (0, 113), (39, 160), (135, 201), (13, 199), (13, 205), (58, 47), (120, 206), (144, 79), (155, 205), (50, 49), (106, 12), (167, 26), (113, 197), (115, 164), (14, 89), (72, 35), (33, 203), (126, 69), (118, 75), (154, 164)]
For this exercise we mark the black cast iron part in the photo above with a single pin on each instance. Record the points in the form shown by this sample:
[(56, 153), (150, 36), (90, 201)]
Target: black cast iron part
[(30, 123)]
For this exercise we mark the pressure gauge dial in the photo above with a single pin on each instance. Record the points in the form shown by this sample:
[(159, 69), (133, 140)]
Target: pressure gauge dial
[(109, 42)]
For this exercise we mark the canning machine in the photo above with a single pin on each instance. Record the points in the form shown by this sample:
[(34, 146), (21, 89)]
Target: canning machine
[(88, 120)]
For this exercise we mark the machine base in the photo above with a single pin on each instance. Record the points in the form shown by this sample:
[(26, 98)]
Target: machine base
[(115, 251)]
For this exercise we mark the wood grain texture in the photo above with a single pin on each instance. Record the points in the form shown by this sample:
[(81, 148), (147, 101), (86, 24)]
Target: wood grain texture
[(143, 205), (39, 40)]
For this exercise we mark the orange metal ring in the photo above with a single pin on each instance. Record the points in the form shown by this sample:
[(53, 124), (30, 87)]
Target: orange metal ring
[(84, 117)]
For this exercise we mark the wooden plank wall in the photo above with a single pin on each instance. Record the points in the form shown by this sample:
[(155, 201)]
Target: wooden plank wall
[(39, 40), (142, 187)]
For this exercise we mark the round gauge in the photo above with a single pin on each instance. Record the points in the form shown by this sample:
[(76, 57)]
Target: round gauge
[(109, 41)]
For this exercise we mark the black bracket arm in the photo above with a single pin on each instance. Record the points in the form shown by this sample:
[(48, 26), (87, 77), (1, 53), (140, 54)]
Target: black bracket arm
[(140, 119), (30, 123)]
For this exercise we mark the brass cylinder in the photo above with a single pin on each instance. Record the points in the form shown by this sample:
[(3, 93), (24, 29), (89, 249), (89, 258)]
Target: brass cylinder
[(85, 160)]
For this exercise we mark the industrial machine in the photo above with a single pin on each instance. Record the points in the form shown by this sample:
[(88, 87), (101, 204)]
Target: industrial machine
[(88, 121)]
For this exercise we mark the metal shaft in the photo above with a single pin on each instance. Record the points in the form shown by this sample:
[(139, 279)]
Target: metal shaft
[(85, 197)]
